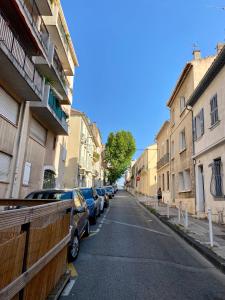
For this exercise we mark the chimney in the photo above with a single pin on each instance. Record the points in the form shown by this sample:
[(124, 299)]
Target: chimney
[(219, 47), (196, 54)]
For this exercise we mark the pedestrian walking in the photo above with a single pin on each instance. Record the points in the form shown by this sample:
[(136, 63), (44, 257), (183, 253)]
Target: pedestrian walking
[(159, 195)]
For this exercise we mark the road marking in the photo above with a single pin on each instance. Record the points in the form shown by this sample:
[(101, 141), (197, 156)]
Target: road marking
[(73, 270), (149, 220), (139, 227), (68, 288)]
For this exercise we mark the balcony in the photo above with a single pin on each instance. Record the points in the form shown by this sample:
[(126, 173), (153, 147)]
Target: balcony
[(45, 7), (56, 75), (17, 69), (50, 113), (163, 161), (34, 19), (59, 37)]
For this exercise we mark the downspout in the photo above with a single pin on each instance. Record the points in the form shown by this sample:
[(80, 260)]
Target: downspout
[(190, 109)]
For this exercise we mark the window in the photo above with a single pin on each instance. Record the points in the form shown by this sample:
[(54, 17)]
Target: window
[(184, 181), (182, 104), (163, 182), (182, 140), (167, 146), (168, 180), (5, 161), (9, 108), (214, 110), (216, 186), (198, 125), (38, 132), (172, 149)]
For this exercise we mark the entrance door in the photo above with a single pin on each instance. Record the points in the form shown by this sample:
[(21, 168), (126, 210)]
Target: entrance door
[(201, 189)]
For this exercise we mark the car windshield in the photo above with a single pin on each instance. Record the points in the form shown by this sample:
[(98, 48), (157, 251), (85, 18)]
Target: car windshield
[(87, 193), (51, 195)]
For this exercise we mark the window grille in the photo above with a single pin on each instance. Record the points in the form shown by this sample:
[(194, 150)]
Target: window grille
[(216, 186)]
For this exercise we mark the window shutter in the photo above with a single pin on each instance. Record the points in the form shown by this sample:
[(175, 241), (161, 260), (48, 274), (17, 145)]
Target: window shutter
[(202, 121), (194, 129), (9, 108), (5, 161)]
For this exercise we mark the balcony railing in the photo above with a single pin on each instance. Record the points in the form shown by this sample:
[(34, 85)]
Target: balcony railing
[(163, 161), (13, 45), (56, 107), (62, 33), (59, 69), (32, 12)]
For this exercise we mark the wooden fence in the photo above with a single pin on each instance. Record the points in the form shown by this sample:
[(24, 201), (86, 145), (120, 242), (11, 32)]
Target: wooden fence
[(33, 247)]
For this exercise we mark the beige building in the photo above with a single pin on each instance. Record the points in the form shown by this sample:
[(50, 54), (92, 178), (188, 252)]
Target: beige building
[(36, 80), (182, 177), (83, 164), (208, 105), (163, 163), (145, 172)]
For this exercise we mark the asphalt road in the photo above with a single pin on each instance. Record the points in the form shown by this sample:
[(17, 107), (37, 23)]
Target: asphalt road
[(132, 255)]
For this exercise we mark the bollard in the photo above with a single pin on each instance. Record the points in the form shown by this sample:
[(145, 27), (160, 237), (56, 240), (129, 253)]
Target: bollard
[(210, 227), (168, 210), (186, 219)]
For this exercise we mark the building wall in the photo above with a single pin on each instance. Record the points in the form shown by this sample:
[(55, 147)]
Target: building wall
[(181, 161), (210, 145), (162, 139), (145, 168)]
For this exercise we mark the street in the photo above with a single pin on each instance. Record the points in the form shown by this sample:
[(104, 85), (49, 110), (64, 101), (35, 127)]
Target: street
[(130, 254)]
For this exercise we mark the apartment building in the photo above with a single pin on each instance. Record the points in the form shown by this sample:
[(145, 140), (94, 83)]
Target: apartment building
[(208, 105), (98, 175), (145, 172), (83, 164), (36, 84), (163, 163), (182, 179)]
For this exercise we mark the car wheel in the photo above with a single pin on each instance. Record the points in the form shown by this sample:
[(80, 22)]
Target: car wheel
[(87, 229), (74, 248)]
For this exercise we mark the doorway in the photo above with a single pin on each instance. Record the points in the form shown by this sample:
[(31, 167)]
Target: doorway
[(200, 190)]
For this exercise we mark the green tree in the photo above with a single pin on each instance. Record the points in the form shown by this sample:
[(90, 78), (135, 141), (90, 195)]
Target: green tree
[(119, 149)]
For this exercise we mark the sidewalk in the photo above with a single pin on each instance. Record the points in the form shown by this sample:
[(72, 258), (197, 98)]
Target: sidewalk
[(197, 231)]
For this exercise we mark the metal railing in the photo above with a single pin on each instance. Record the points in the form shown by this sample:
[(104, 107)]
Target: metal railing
[(32, 12), (56, 107), (59, 69), (163, 161), (7, 37)]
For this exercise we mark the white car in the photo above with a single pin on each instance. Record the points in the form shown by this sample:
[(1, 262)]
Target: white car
[(102, 199)]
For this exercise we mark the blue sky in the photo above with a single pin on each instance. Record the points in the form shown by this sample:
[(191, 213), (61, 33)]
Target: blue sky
[(131, 53)]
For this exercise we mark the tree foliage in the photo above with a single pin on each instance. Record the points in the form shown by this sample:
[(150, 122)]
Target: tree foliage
[(119, 149)]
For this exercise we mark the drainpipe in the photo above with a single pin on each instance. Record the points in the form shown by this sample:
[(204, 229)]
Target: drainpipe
[(190, 108)]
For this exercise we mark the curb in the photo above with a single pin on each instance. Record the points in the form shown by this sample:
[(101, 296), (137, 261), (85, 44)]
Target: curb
[(217, 261)]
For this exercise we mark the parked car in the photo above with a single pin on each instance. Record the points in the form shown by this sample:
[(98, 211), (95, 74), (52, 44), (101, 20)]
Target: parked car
[(79, 215), (110, 191), (106, 197), (102, 195), (93, 203)]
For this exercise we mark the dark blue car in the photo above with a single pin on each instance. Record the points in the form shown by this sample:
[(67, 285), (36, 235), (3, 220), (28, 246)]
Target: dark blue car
[(93, 203)]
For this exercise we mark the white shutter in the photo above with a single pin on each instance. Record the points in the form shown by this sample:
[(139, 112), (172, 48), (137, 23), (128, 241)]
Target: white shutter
[(9, 108), (5, 161), (38, 132), (26, 173)]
